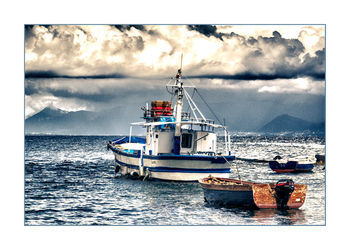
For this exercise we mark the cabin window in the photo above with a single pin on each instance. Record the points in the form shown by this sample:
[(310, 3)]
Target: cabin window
[(186, 141)]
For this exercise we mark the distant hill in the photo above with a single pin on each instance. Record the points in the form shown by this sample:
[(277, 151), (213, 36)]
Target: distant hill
[(284, 123), (55, 121)]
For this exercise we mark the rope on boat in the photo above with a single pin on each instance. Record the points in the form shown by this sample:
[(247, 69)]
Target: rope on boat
[(251, 160), (239, 176), (147, 174), (217, 118)]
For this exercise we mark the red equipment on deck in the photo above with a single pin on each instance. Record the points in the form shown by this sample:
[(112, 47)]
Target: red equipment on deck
[(160, 108)]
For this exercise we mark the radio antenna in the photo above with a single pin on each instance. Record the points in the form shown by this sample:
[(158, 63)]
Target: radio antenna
[(181, 62)]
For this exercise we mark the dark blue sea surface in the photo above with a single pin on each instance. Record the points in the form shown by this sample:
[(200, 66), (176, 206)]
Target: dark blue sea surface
[(70, 180)]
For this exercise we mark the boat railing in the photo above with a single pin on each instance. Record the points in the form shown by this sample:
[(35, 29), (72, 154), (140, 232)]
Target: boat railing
[(149, 114), (199, 120)]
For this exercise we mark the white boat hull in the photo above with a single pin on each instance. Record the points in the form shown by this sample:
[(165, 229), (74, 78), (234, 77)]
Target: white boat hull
[(173, 168), (172, 176)]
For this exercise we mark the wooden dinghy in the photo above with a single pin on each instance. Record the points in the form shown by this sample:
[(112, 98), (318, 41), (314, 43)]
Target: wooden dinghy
[(235, 193)]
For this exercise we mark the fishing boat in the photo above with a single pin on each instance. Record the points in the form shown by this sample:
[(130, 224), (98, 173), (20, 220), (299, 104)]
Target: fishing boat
[(236, 193), (284, 166), (178, 146)]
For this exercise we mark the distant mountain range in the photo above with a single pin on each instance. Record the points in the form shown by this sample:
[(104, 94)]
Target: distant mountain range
[(287, 123), (55, 121), (114, 121)]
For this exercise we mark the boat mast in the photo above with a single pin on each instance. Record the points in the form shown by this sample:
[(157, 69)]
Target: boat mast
[(178, 107)]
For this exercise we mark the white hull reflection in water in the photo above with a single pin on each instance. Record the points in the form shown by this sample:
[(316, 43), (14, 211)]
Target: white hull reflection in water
[(70, 180)]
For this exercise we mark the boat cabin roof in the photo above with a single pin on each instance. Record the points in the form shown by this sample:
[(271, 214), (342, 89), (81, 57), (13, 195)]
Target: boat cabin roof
[(133, 146)]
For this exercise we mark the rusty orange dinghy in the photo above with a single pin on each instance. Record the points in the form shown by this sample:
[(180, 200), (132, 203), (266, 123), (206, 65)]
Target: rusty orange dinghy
[(283, 194)]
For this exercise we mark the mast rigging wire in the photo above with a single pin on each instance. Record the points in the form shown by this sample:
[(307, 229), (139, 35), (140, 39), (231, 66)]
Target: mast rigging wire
[(217, 118), (196, 90)]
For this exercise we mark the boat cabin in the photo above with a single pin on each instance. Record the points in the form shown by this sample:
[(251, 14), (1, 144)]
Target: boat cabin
[(161, 141)]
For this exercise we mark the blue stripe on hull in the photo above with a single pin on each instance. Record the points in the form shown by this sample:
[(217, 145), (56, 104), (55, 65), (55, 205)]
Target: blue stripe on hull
[(275, 165), (213, 159), (179, 170), (187, 170), (304, 167), (229, 198)]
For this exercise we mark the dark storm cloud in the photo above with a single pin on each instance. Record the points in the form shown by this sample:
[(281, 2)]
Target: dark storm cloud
[(86, 89), (313, 67), (28, 34), (244, 76), (287, 64), (211, 30), (103, 97), (28, 31), (30, 89), (65, 93), (281, 54), (41, 74), (207, 30), (276, 34), (293, 46), (53, 74), (283, 66), (123, 27), (127, 27)]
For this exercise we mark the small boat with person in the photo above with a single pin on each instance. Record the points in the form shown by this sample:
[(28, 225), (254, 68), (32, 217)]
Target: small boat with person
[(280, 165), (283, 194)]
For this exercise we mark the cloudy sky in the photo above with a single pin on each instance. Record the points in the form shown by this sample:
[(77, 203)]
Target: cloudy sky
[(248, 73)]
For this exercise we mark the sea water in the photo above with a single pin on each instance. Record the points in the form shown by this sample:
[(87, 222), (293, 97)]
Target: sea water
[(70, 180)]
